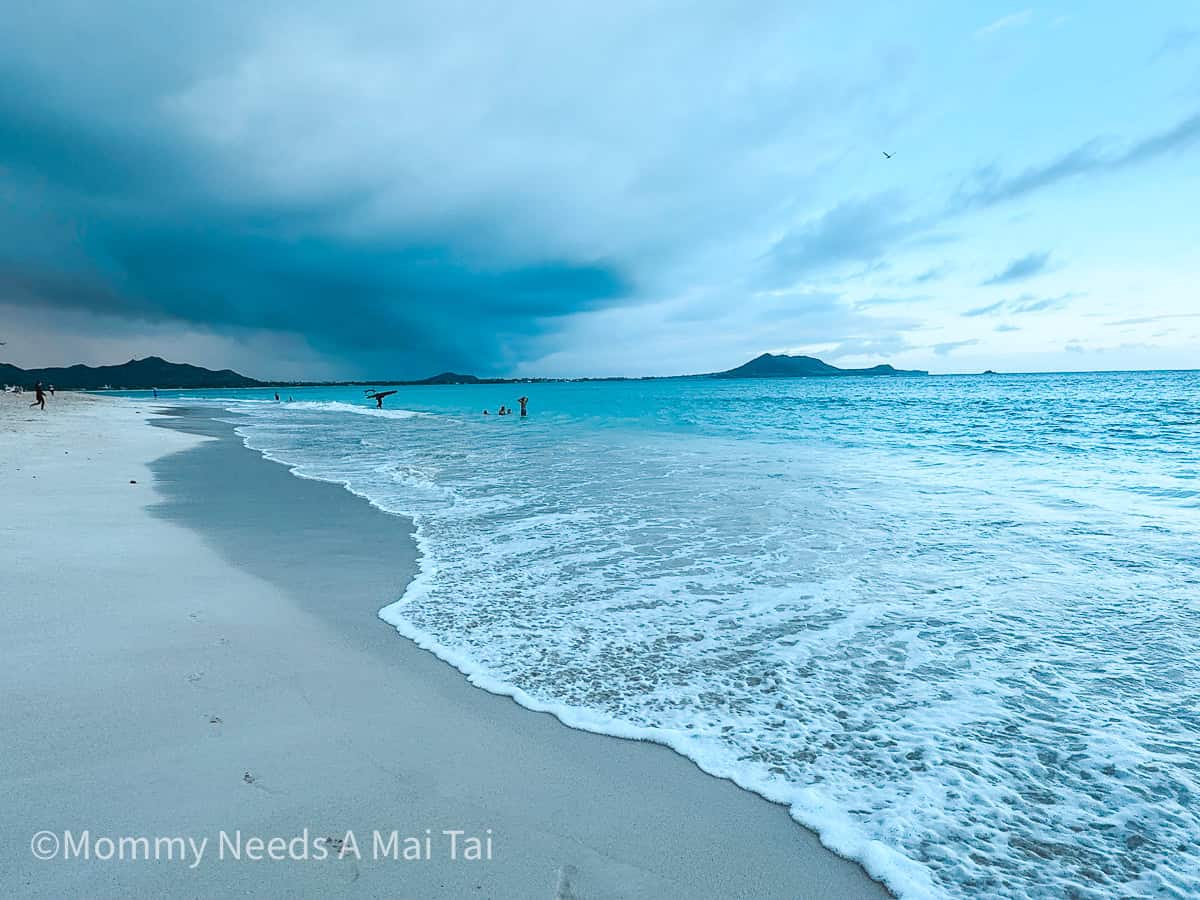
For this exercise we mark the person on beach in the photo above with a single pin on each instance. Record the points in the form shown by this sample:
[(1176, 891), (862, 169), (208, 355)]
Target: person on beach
[(51, 390), (378, 396), (155, 393), (39, 398), (523, 401)]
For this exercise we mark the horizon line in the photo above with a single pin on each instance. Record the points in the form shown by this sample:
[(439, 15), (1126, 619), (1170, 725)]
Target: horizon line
[(500, 378)]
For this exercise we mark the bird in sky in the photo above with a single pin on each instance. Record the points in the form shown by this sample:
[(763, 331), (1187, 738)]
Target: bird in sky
[(888, 155)]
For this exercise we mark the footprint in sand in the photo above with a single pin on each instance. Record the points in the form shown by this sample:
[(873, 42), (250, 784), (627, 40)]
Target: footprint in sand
[(252, 779), (195, 677), (214, 720), (336, 844), (565, 889)]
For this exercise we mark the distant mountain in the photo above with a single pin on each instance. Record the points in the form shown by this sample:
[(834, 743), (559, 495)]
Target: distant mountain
[(768, 365), (154, 372), (151, 372), (448, 378), (772, 365)]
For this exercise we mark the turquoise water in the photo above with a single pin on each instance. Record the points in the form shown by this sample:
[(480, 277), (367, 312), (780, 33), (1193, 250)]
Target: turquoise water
[(953, 623)]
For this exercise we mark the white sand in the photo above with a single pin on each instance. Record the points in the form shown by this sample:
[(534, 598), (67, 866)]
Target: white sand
[(152, 688)]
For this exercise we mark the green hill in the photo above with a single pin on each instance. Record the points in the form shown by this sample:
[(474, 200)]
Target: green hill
[(151, 372), (771, 365)]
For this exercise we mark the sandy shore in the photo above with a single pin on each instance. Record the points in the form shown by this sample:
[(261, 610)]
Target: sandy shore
[(191, 647)]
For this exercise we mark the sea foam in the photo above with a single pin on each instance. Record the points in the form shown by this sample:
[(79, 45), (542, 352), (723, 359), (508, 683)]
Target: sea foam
[(955, 628)]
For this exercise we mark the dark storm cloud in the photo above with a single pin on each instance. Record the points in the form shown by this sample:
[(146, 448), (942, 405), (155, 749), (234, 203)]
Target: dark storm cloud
[(394, 189), (408, 186), (111, 207), (396, 307)]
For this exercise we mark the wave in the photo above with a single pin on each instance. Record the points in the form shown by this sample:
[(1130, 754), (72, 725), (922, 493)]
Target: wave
[(338, 406), (938, 670), (836, 831)]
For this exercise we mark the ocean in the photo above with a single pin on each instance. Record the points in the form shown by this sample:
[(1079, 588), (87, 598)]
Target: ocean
[(952, 622)]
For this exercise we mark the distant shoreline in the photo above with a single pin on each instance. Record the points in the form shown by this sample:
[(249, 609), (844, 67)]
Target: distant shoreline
[(155, 373), (642, 378)]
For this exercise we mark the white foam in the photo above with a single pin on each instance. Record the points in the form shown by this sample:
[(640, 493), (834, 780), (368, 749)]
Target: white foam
[(965, 670), (338, 406)]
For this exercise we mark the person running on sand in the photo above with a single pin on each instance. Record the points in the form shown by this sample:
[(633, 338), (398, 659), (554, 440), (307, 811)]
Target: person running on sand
[(39, 397), (523, 401)]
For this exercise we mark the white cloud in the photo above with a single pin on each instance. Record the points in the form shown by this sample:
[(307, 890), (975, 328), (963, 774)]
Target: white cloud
[(1005, 23)]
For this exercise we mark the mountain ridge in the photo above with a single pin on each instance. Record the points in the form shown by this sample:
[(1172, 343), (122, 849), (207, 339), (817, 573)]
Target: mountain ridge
[(156, 372), (781, 365), (149, 372)]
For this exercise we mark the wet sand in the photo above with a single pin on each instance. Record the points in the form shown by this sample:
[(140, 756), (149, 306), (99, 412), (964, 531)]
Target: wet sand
[(199, 652)]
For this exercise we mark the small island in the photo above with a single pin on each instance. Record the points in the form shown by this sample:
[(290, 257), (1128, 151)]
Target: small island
[(780, 365)]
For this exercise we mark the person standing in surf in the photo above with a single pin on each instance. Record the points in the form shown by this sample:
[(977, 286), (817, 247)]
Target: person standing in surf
[(378, 396)]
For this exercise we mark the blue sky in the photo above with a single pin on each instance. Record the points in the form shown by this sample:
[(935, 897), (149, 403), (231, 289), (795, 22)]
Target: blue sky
[(386, 189)]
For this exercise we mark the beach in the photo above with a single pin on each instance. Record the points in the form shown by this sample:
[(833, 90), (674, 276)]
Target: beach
[(192, 650)]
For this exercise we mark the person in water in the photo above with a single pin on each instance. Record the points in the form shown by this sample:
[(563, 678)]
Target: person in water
[(485, 412), (378, 396), (39, 398), (277, 396), (523, 401)]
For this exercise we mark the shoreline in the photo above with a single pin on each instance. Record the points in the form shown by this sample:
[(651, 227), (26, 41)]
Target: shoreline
[(336, 723)]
